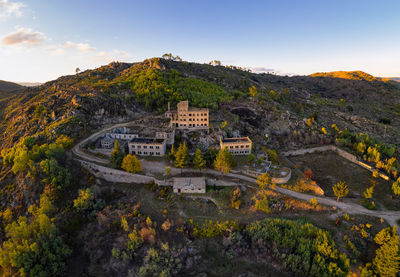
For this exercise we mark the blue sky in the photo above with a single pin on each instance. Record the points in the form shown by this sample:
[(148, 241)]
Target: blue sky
[(42, 40)]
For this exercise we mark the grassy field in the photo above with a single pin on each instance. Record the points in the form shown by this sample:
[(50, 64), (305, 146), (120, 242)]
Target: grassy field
[(328, 168)]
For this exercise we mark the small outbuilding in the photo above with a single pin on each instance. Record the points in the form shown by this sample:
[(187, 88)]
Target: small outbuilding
[(189, 185)]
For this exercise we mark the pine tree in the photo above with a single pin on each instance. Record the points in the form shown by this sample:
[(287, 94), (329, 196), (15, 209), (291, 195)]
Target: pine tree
[(131, 164), (198, 160), (182, 156), (340, 190), (223, 161), (386, 261), (116, 155)]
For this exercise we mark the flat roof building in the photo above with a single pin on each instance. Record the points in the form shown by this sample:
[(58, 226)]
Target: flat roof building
[(189, 185), (236, 146), (188, 118), (147, 147)]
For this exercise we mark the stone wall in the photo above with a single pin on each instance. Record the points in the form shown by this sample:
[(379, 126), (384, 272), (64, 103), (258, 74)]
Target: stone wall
[(117, 176), (344, 154)]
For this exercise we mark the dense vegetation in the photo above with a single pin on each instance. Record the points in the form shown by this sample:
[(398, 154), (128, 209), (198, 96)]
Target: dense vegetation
[(304, 248), (49, 204)]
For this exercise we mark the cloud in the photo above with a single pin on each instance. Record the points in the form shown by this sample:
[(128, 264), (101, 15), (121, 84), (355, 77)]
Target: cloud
[(261, 70), (9, 9), (81, 47), (110, 56), (24, 36)]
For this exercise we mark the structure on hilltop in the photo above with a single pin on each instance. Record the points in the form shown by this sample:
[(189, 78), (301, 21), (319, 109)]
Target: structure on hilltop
[(188, 118)]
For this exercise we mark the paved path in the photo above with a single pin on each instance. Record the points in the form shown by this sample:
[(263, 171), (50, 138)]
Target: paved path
[(159, 166)]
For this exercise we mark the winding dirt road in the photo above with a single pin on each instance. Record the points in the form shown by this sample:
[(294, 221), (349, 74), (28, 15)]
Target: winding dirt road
[(150, 167)]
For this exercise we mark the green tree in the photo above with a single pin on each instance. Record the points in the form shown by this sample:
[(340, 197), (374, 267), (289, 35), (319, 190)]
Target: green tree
[(386, 261), (182, 156), (160, 263), (264, 180), (167, 171), (34, 247), (116, 155), (223, 161), (131, 164), (198, 160), (340, 190)]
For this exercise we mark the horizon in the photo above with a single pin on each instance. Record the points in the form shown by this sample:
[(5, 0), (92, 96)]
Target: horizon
[(40, 42)]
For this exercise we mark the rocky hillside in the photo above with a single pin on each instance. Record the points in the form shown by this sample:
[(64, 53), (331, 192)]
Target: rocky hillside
[(77, 104)]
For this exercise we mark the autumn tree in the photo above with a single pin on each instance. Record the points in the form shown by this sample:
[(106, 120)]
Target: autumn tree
[(182, 156), (198, 160), (116, 155), (253, 91), (235, 197), (396, 187), (131, 164), (387, 259), (264, 180), (223, 161), (340, 190), (368, 192)]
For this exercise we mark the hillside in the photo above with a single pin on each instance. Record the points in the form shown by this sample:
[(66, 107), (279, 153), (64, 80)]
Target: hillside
[(117, 91), (351, 75), (8, 88), (57, 212)]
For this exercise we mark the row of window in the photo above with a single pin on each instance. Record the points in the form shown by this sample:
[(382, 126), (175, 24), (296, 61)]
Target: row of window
[(144, 146), (241, 152), (193, 125), (241, 146), (194, 114), (146, 153)]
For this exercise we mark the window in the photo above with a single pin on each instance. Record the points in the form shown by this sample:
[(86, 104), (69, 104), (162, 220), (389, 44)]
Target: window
[(151, 147), (231, 147), (145, 147), (237, 146), (133, 146), (157, 147), (139, 146), (241, 146), (247, 146)]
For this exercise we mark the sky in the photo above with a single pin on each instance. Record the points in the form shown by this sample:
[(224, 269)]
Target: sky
[(43, 40)]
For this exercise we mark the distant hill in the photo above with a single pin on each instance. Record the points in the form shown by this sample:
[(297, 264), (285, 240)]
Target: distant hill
[(29, 84), (9, 88), (351, 75), (396, 79)]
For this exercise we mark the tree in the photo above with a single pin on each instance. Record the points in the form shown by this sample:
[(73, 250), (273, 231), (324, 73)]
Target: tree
[(223, 161), (131, 164), (368, 192), (77, 70), (34, 247), (85, 200), (340, 190), (396, 187), (182, 156), (167, 171), (262, 204), (116, 155), (264, 180), (253, 91), (387, 259), (198, 160), (210, 155)]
